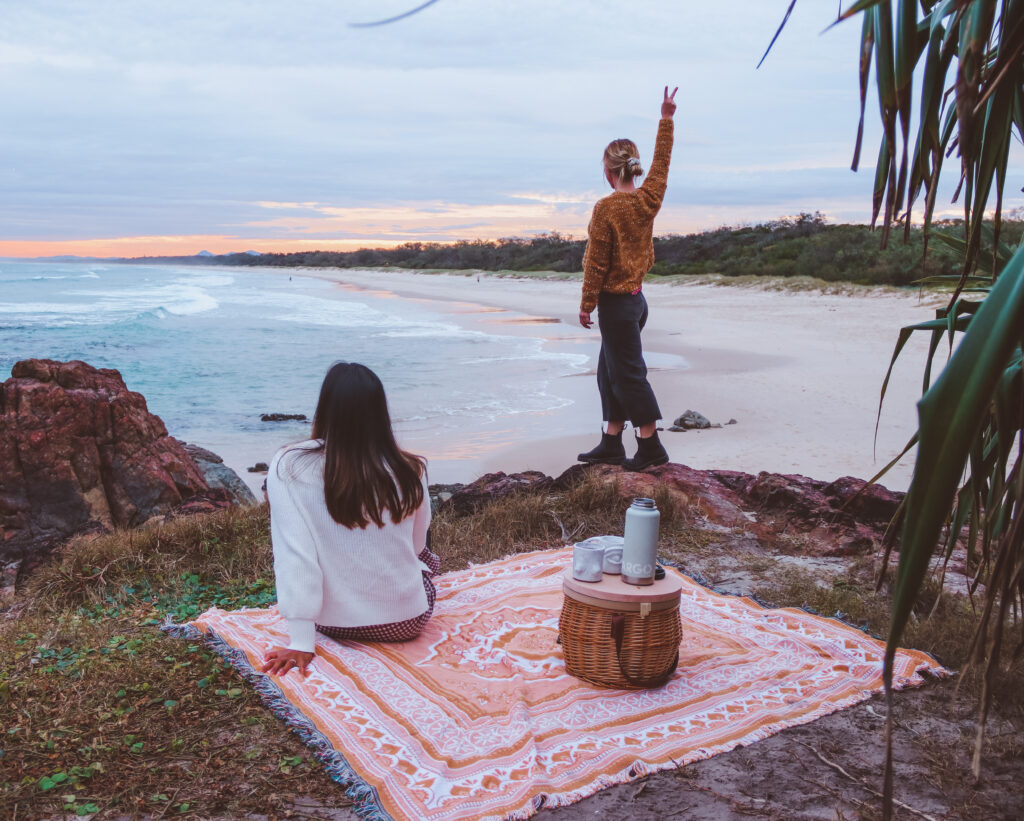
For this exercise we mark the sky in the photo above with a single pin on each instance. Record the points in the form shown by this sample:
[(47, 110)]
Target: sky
[(133, 127)]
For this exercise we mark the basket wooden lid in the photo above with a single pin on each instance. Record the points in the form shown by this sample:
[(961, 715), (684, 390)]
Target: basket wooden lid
[(612, 588)]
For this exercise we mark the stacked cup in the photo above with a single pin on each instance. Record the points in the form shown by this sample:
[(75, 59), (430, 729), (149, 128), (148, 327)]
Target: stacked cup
[(594, 557)]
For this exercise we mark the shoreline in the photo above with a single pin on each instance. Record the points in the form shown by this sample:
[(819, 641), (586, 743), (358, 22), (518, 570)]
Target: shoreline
[(799, 370)]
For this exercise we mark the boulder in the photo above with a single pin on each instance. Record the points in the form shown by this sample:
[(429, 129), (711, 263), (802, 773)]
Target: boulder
[(219, 475), (844, 517), (691, 420), (206, 501), (283, 417), (78, 450), (492, 486), (439, 494), (695, 491)]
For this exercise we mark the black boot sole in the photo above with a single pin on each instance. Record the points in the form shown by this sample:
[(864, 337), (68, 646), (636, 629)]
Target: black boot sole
[(638, 466), (601, 460)]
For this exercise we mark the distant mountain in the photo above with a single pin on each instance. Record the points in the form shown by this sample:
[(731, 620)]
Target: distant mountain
[(252, 253), (70, 258), (205, 254)]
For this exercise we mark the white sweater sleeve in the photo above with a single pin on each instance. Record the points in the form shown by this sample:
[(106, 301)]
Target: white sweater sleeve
[(297, 573), (421, 524)]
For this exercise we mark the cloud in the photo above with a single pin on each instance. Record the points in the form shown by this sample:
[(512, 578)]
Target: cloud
[(186, 119), (435, 221)]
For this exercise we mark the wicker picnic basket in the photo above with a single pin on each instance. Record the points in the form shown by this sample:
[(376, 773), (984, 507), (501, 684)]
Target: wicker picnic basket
[(630, 641)]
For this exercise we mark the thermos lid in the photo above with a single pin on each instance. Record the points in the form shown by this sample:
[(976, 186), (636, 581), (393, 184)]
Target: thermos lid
[(644, 503)]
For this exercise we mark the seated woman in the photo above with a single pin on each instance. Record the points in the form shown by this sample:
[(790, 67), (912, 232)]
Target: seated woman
[(349, 512)]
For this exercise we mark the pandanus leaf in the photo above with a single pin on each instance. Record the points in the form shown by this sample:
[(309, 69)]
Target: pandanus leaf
[(881, 178), (885, 79), (950, 415), (857, 8), (778, 31), (975, 30), (867, 46), (992, 159), (937, 327), (907, 50), (929, 149), (1009, 49), (928, 131)]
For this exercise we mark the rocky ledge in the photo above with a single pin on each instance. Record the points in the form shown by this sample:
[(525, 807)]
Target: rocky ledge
[(79, 452), (846, 517)]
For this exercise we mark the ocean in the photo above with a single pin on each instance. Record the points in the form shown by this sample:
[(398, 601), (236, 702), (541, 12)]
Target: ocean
[(213, 348)]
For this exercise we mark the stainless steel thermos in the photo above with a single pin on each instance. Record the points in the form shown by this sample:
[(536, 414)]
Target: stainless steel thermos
[(640, 547)]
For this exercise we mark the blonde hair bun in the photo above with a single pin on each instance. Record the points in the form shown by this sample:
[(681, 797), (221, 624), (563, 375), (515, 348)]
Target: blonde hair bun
[(622, 159)]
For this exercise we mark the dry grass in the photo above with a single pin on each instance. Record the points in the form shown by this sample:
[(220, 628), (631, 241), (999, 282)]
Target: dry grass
[(531, 520), (222, 549), (103, 713), (944, 630)]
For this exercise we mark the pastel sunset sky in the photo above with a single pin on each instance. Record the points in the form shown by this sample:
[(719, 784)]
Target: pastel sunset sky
[(136, 128)]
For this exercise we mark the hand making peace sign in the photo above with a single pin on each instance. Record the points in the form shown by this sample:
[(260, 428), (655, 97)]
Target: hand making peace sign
[(668, 105)]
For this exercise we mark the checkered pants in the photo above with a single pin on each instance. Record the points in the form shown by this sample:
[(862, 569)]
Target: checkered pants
[(398, 630)]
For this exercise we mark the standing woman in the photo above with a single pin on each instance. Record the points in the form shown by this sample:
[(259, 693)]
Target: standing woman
[(620, 252), (349, 512)]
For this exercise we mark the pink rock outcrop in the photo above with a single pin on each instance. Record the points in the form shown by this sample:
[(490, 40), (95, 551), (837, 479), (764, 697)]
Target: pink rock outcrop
[(77, 450), (785, 512)]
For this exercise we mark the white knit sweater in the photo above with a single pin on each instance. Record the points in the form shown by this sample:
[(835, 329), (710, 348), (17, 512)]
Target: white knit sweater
[(334, 575)]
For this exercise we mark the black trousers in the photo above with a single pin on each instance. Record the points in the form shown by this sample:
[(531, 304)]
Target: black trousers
[(621, 370)]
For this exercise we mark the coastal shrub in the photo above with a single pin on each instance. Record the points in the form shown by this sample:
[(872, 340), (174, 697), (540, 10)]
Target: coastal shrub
[(802, 246)]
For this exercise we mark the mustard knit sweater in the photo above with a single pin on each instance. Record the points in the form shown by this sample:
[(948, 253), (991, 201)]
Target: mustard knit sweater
[(620, 244)]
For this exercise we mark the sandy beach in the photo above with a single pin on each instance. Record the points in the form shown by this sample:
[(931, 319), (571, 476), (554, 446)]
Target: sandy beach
[(799, 371)]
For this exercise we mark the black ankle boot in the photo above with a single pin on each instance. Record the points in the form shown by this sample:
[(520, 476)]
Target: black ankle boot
[(649, 452), (609, 452)]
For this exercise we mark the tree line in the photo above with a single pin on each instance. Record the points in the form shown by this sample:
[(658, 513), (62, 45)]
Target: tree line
[(804, 245)]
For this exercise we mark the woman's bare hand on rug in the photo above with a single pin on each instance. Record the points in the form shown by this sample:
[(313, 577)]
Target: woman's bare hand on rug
[(280, 660)]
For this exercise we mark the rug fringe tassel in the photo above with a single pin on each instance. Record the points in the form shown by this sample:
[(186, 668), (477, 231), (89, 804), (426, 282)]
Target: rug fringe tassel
[(367, 802)]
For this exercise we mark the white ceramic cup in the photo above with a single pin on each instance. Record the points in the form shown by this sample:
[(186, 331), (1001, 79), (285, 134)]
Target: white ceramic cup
[(587, 562), (612, 560)]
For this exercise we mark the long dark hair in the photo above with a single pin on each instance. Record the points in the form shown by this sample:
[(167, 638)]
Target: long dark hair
[(365, 472)]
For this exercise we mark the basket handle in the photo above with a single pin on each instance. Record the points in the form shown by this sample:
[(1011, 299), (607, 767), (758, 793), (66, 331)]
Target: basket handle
[(618, 631)]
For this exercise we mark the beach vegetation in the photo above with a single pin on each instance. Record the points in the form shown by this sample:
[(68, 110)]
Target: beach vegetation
[(968, 485)]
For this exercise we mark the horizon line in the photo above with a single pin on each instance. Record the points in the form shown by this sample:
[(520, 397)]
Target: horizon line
[(143, 247)]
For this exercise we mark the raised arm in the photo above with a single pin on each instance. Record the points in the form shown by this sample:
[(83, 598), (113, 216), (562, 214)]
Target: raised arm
[(657, 180)]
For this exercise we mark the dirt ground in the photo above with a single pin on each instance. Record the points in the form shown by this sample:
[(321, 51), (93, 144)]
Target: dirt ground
[(828, 769), (832, 769)]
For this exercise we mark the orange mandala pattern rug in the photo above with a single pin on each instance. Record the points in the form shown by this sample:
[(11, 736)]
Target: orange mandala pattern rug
[(477, 718)]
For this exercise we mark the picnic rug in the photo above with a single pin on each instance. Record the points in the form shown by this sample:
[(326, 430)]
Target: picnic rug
[(477, 717)]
